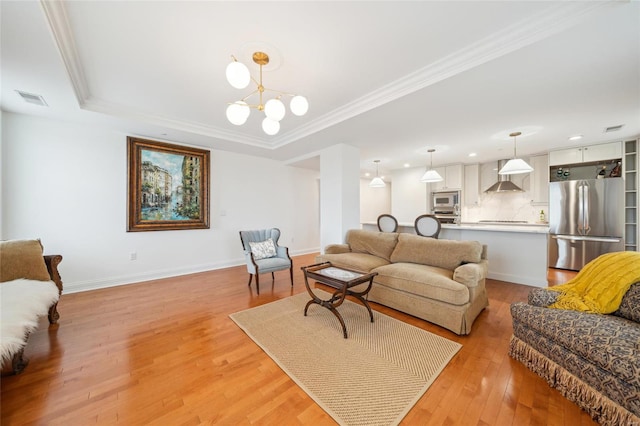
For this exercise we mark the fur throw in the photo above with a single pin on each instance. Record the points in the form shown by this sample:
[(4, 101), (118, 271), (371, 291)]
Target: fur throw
[(22, 301)]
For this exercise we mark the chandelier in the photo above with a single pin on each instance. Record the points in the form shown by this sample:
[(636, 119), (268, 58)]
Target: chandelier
[(238, 76), (515, 165)]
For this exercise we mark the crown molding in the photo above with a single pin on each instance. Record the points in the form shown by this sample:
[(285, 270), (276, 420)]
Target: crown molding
[(552, 20), (61, 31), (121, 111), (520, 34)]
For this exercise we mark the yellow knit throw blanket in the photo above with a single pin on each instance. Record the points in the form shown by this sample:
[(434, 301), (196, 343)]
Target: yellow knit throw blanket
[(600, 286)]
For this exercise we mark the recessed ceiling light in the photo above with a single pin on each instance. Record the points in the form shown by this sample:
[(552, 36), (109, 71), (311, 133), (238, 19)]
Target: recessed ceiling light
[(472, 154), (575, 138), (367, 174), (407, 165)]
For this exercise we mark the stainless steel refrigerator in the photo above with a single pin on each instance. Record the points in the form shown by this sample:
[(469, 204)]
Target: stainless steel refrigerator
[(586, 219)]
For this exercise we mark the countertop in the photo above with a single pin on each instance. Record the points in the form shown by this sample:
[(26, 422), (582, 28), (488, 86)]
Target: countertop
[(531, 228)]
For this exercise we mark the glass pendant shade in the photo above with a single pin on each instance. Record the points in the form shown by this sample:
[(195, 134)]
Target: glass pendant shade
[(238, 75), (270, 127), (515, 166), (299, 105), (274, 109), (431, 176), (377, 182), (238, 112)]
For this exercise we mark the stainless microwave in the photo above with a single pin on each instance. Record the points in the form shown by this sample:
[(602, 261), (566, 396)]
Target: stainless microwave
[(448, 200)]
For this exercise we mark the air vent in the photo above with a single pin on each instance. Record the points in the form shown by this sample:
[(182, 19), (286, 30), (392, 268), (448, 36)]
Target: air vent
[(32, 98), (614, 128)]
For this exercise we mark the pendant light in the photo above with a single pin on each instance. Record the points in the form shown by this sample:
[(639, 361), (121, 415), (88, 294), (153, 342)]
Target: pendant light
[(515, 165), (431, 175), (377, 181)]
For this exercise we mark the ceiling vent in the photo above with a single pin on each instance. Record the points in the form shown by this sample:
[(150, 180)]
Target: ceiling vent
[(614, 128), (32, 98)]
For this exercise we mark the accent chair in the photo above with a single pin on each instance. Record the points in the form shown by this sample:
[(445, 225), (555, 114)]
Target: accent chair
[(263, 254)]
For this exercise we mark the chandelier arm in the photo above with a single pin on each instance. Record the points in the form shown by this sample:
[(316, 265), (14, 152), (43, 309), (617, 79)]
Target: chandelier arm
[(249, 95)]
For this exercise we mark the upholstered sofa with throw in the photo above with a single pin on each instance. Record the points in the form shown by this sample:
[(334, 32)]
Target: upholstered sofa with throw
[(30, 286), (441, 281), (592, 359)]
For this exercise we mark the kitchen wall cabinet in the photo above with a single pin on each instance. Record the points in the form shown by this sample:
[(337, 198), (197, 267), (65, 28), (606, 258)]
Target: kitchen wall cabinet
[(471, 188), (452, 175), (586, 154), (539, 180), (631, 182)]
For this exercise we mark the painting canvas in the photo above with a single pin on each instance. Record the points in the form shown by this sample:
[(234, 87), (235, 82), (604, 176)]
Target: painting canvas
[(168, 186)]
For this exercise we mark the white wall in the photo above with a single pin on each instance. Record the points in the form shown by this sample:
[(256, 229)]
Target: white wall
[(66, 184), (374, 201), (408, 194)]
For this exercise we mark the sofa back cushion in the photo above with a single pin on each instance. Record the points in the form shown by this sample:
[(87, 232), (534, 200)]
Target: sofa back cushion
[(379, 244), (22, 259), (448, 254), (630, 305)]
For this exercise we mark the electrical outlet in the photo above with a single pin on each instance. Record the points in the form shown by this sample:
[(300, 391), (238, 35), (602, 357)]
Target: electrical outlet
[(133, 256)]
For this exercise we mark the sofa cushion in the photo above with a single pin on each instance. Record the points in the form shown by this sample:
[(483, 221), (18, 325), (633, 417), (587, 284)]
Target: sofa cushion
[(448, 254), (22, 259), (630, 305), (423, 280), (362, 262), (379, 244)]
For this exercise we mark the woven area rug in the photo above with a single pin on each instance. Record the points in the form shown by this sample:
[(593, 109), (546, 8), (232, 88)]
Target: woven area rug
[(372, 378)]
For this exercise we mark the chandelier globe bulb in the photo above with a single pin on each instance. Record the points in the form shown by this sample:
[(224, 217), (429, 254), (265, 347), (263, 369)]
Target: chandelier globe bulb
[(270, 127), (238, 112), (299, 105), (274, 109), (238, 75)]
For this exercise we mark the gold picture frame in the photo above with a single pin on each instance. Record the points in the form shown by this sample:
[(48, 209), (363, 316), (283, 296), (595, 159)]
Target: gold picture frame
[(168, 186)]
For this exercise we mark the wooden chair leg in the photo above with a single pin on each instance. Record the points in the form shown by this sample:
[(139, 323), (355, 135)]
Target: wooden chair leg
[(53, 314), (291, 274), (250, 278), (257, 283), (19, 362), (273, 277)]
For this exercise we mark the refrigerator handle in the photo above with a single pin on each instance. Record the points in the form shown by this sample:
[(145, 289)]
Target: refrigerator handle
[(585, 219), (581, 208)]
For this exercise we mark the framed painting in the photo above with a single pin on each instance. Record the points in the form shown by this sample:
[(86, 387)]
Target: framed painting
[(168, 186)]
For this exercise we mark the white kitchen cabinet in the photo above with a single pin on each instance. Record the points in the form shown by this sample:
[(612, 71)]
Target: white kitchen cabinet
[(452, 175), (471, 188), (539, 179), (586, 154)]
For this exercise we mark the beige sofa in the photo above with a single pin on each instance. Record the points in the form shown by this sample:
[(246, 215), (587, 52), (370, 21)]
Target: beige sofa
[(441, 281)]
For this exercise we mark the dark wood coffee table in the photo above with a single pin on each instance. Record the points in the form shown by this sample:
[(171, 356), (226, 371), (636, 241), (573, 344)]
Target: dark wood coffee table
[(342, 280)]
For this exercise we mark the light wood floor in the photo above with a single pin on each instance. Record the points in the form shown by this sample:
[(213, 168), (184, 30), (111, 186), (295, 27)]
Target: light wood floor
[(165, 352)]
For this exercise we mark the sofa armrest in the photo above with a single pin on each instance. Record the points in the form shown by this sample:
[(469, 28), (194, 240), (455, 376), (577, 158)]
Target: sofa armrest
[(337, 249), (542, 297), (52, 261), (470, 274)]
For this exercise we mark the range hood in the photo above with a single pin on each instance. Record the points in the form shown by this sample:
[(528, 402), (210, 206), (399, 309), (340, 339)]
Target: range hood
[(504, 183)]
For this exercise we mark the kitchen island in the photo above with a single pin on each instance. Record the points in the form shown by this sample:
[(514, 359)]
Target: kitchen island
[(517, 253)]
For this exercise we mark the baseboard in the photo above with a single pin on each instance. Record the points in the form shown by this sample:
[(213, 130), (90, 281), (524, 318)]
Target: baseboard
[(80, 286)]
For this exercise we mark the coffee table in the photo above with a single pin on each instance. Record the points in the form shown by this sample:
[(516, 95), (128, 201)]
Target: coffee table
[(342, 280)]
